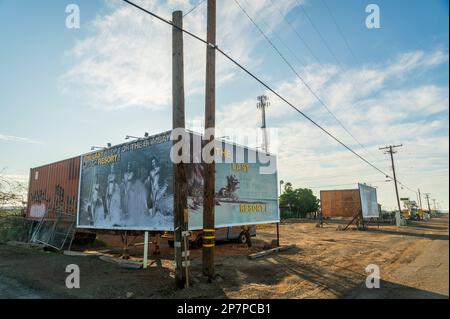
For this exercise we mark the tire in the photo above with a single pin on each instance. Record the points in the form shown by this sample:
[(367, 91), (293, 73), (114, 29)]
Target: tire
[(198, 243), (91, 238), (242, 239), (171, 244), (83, 239)]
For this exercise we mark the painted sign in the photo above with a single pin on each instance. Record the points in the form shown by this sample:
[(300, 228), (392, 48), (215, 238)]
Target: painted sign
[(369, 203), (128, 186), (245, 186)]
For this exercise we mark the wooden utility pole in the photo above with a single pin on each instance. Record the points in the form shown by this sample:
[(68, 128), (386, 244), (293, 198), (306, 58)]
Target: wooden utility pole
[(427, 196), (420, 199), (389, 150), (210, 123), (178, 121)]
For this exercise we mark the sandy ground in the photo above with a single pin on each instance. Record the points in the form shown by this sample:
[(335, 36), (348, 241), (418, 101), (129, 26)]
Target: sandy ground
[(326, 263)]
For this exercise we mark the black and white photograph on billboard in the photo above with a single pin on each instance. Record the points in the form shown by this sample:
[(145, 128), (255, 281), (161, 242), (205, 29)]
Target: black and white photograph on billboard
[(128, 186), (369, 203)]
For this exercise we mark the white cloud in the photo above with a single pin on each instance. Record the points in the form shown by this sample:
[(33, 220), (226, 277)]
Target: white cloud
[(126, 61), (18, 139), (387, 110)]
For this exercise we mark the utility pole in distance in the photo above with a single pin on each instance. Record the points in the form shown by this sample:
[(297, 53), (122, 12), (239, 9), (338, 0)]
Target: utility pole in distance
[(427, 196), (178, 121), (420, 199), (390, 150), (210, 124)]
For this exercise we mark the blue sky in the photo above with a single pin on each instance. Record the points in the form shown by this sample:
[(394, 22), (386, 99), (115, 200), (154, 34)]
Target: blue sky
[(63, 90)]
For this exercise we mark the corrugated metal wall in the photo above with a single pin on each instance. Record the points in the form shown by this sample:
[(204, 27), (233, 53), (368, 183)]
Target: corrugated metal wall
[(340, 203), (54, 187)]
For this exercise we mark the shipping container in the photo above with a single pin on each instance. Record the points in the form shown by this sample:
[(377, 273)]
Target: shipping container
[(340, 203), (53, 188)]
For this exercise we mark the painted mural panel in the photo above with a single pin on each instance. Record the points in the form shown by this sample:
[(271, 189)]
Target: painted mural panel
[(246, 188)]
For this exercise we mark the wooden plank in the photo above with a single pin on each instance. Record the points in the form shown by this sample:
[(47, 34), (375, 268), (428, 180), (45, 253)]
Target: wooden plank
[(26, 245), (80, 254), (270, 251), (18, 244), (122, 263)]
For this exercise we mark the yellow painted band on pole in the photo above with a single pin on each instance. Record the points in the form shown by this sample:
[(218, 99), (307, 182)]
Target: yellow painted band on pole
[(209, 237), (208, 245), (209, 230)]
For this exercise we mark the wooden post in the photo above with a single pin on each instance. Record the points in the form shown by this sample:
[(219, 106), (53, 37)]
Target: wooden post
[(321, 216), (178, 121), (125, 254), (278, 234), (390, 150), (398, 216), (210, 123)]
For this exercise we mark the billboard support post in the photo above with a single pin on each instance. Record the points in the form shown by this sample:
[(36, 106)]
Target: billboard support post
[(427, 196), (278, 234), (178, 121), (210, 123), (420, 198), (145, 261)]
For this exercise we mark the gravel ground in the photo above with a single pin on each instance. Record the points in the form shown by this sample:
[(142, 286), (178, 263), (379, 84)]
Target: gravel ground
[(325, 263)]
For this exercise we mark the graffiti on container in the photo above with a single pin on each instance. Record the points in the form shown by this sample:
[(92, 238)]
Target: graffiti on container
[(59, 202), (37, 210), (39, 196), (59, 198)]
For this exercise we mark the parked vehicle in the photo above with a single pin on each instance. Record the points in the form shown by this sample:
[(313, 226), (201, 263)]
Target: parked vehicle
[(233, 233)]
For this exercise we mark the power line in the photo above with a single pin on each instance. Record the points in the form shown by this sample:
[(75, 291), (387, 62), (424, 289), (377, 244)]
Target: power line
[(194, 7), (340, 31), (297, 34), (300, 77), (338, 185), (321, 36), (256, 78), (285, 45)]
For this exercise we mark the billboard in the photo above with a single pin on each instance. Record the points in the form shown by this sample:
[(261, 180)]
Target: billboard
[(128, 186), (340, 203), (369, 203), (246, 190)]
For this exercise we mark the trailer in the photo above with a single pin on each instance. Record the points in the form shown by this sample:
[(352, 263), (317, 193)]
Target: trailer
[(129, 187), (53, 188)]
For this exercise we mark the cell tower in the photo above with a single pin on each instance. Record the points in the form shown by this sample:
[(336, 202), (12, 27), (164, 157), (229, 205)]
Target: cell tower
[(263, 103)]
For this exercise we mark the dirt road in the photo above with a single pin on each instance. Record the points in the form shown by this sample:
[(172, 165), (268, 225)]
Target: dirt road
[(326, 263)]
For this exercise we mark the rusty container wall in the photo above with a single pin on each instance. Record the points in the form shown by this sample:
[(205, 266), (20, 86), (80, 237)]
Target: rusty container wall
[(54, 187), (340, 203)]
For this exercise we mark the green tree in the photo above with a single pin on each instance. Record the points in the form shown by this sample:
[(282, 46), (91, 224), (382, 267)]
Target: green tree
[(298, 201)]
